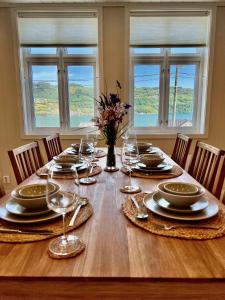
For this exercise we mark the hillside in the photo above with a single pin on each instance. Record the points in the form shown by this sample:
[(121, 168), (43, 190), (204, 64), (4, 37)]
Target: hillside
[(81, 99)]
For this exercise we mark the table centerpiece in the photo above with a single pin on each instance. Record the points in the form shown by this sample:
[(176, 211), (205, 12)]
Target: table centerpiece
[(109, 121)]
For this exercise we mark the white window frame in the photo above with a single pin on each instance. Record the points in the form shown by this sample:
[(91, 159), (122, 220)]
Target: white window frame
[(62, 60), (205, 83), (164, 60)]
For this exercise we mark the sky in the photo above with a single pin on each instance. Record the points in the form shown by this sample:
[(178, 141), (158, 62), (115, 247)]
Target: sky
[(144, 75)]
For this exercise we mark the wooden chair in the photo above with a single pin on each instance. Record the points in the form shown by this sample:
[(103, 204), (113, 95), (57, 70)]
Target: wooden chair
[(2, 191), (181, 149), (52, 145), (25, 160), (204, 167)]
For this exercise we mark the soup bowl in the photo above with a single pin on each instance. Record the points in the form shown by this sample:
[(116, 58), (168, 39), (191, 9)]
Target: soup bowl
[(180, 201), (151, 160)]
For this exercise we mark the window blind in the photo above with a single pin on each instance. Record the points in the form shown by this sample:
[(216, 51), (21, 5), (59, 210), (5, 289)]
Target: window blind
[(168, 29), (58, 29)]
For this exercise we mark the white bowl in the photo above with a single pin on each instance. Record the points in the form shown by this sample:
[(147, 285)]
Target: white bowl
[(62, 159), (181, 188), (151, 160), (179, 200), (143, 146), (86, 147), (35, 190), (33, 203)]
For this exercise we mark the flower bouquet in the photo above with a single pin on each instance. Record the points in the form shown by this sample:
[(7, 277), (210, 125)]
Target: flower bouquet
[(111, 112)]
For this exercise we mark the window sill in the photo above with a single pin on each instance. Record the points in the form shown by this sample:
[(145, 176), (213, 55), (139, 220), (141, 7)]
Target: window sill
[(157, 136)]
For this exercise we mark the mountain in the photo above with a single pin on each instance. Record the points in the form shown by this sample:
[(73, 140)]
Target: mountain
[(146, 99)]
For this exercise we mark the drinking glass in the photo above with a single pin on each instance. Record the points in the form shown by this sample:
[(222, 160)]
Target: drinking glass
[(93, 139), (129, 158), (85, 144), (62, 203)]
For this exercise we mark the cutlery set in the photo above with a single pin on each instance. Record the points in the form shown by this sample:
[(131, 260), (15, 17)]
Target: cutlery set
[(26, 231)]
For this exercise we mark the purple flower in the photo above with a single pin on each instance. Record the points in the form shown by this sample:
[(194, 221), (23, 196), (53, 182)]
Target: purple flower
[(127, 106), (114, 98)]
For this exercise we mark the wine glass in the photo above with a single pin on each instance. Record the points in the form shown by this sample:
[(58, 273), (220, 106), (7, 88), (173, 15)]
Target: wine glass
[(129, 158), (86, 145), (62, 203), (93, 139)]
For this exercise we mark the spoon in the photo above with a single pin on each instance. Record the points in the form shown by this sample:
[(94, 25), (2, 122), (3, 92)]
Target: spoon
[(141, 215), (81, 202)]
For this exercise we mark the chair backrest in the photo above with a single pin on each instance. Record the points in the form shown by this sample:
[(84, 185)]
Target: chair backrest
[(219, 182), (204, 166), (2, 191), (25, 160), (52, 145), (181, 149)]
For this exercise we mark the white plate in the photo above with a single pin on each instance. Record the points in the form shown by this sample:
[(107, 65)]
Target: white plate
[(7, 216), (60, 169), (144, 167), (199, 205), (151, 150), (72, 151), (166, 168), (210, 211), (15, 208)]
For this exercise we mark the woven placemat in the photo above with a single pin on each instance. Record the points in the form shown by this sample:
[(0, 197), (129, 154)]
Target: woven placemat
[(187, 233), (42, 173), (174, 172), (55, 225)]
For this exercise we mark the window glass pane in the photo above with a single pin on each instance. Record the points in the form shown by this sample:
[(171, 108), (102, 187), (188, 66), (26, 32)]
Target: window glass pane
[(43, 50), (81, 95), (81, 51), (183, 50), (182, 95), (146, 50), (146, 95), (45, 94)]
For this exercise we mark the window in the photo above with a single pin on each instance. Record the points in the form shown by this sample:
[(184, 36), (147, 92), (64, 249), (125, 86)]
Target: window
[(59, 55), (168, 55)]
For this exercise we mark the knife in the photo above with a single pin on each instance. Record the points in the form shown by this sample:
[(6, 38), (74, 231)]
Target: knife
[(26, 231)]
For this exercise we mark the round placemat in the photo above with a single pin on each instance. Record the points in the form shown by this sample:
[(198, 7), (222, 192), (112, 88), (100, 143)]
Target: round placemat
[(175, 172), (56, 226), (187, 233)]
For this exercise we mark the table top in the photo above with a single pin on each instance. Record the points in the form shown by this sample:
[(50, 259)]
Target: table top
[(116, 248)]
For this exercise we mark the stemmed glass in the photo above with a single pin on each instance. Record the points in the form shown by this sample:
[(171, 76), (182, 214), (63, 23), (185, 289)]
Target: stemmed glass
[(62, 203), (93, 139), (129, 158), (85, 145)]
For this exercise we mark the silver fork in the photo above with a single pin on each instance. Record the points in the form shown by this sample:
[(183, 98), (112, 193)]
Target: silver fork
[(169, 227)]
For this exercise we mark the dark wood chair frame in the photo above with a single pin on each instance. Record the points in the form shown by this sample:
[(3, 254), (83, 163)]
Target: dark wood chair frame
[(25, 160), (2, 191), (52, 145), (204, 167), (181, 149)]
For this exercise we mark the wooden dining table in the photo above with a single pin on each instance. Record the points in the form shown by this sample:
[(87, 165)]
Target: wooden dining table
[(121, 260)]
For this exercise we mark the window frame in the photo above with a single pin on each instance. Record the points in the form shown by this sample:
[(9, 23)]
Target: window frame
[(166, 58), (61, 60)]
